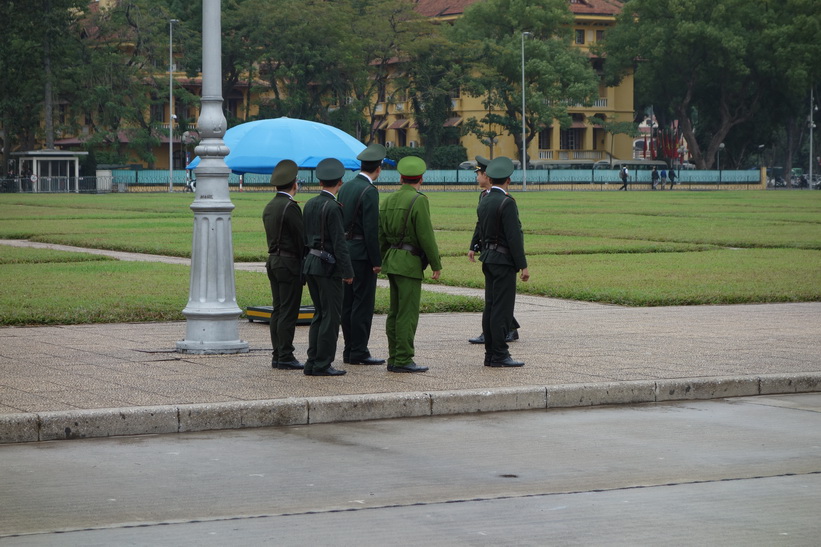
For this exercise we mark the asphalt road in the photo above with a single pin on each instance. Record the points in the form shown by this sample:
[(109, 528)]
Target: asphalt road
[(744, 471)]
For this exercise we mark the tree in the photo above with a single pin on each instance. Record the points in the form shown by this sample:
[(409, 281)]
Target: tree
[(125, 72), (792, 39), (432, 73), (713, 65), (385, 31), (305, 55), (614, 128), (20, 83), (36, 47), (557, 74)]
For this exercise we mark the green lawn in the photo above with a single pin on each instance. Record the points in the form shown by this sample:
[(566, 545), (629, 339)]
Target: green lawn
[(632, 248)]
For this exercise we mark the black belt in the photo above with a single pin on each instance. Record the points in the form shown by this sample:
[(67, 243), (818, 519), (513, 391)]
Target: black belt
[(323, 255), (498, 248), (407, 247), (357, 236), (286, 254)]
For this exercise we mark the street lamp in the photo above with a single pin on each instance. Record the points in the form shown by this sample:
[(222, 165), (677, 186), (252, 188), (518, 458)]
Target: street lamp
[(720, 148), (171, 116), (811, 121), (212, 314), (524, 105)]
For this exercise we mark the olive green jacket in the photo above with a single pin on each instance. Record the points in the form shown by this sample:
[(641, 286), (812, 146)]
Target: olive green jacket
[(419, 233)]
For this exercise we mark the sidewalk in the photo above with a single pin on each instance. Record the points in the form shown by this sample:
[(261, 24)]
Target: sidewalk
[(124, 379)]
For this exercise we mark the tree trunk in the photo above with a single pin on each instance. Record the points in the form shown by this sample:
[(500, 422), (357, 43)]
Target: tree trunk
[(791, 131)]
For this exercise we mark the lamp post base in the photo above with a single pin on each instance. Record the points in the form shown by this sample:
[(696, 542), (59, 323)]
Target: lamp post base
[(195, 347), (208, 336)]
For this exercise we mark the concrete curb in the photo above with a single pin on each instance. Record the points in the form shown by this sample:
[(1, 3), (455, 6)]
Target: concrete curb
[(78, 424)]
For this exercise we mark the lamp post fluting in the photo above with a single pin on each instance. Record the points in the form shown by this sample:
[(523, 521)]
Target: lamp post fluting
[(212, 313)]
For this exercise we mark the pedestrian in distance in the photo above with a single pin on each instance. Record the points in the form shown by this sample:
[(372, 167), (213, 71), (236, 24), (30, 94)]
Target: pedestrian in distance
[(625, 176), (654, 178), (285, 232), (360, 210), (407, 242), (503, 255), (483, 182), (664, 178), (327, 266), (672, 176)]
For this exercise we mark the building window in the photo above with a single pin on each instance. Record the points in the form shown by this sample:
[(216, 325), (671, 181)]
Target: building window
[(62, 114), (599, 35), (571, 139), (158, 113), (545, 136), (579, 36)]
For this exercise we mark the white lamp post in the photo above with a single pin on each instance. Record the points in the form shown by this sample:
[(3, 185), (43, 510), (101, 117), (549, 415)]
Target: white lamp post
[(171, 23), (720, 148), (524, 105), (813, 108), (212, 312)]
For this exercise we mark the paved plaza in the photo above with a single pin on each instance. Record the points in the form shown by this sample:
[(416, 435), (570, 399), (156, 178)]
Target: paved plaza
[(115, 379)]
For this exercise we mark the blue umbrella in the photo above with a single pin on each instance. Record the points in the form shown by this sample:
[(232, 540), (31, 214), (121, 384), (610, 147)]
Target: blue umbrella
[(256, 147)]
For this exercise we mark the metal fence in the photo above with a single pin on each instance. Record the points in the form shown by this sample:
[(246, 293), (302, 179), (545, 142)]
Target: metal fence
[(52, 185), (461, 179), (435, 179)]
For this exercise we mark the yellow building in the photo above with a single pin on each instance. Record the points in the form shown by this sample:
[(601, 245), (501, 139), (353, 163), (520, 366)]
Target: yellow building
[(582, 140), (393, 118)]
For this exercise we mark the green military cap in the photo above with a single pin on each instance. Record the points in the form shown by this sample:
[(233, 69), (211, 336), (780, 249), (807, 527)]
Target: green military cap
[(481, 163), (411, 166), (284, 173), (500, 168), (374, 152), (330, 169)]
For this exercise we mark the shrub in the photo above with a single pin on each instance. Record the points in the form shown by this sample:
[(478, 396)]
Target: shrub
[(444, 157)]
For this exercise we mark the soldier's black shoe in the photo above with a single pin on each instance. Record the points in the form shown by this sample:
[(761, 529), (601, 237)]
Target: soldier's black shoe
[(507, 362), (366, 361), (512, 336), (330, 371), (411, 367), (289, 365)]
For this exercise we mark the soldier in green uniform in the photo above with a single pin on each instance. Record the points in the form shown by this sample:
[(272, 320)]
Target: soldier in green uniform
[(360, 209), (284, 230), (327, 265), (407, 243), (503, 254)]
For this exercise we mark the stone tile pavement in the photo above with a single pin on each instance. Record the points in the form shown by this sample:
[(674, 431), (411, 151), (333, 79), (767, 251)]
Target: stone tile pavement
[(60, 382)]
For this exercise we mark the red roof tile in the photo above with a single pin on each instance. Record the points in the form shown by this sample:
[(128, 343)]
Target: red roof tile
[(442, 8), (445, 8)]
